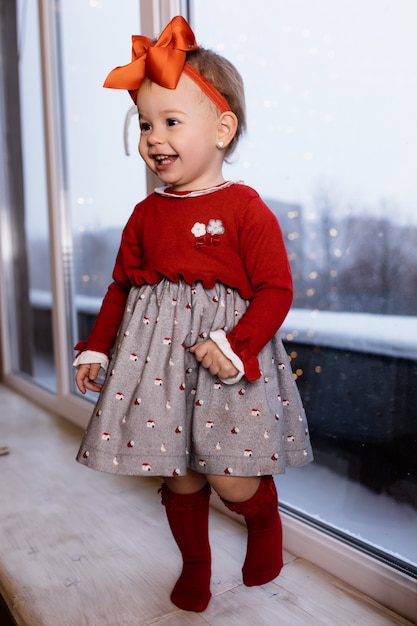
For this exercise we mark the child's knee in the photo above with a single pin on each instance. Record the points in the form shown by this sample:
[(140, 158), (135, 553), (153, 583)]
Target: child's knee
[(189, 483), (234, 488)]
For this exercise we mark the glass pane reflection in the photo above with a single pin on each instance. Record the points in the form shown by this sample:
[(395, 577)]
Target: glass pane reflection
[(92, 154), (103, 183), (33, 248), (332, 132)]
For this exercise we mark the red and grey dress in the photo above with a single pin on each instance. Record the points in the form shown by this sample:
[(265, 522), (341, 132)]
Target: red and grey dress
[(191, 266)]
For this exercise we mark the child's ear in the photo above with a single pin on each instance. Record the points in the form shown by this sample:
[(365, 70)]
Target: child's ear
[(227, 128)]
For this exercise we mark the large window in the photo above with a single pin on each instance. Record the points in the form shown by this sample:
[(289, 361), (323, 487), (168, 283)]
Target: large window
[(104, 182), (84, 137), (25, 230), (331, 94)]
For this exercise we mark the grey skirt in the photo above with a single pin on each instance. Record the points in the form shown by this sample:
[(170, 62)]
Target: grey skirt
[(160, 412)]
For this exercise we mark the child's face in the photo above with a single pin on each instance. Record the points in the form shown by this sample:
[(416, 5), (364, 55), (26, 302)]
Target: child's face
[(179, 135)]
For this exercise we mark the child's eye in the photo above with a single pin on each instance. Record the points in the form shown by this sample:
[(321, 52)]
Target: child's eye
[(172, 122), (145, 127)]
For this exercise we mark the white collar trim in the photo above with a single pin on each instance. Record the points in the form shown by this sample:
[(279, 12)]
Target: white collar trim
[(199, 192)]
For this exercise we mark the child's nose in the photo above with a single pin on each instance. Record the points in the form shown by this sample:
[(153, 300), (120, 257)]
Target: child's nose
[(155, 137)]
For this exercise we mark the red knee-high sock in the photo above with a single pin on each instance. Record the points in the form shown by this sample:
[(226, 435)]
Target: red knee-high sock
[(188, 519), (263, 560)]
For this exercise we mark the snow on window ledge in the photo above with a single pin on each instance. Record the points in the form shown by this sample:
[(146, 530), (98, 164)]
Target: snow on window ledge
[(390, 335)]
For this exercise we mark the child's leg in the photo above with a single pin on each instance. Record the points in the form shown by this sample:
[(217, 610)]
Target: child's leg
[(186, 501), (263, 560)]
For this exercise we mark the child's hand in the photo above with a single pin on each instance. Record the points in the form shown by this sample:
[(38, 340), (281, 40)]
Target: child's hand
[(212, 358), (86, 376)]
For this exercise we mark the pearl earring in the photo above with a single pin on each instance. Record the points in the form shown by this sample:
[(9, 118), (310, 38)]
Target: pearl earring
[(220, 144)]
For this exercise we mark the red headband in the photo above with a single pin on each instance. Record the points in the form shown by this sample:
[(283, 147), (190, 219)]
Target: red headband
[(163, 63)]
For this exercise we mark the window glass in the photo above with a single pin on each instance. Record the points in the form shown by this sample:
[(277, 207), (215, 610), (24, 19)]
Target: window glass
[(331, 97), (99, 183), (33, 279), (104, 183)]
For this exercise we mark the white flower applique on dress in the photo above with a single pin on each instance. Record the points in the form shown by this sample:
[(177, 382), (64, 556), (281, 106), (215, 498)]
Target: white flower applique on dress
[(207, 235)]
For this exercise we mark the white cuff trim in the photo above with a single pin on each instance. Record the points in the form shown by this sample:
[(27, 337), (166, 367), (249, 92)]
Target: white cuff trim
[(90, 356), (219, 338)]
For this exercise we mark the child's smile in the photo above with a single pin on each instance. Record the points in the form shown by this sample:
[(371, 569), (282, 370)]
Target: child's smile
[(164, 161)]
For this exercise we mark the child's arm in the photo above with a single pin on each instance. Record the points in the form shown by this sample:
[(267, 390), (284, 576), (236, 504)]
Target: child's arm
[(263, 252)]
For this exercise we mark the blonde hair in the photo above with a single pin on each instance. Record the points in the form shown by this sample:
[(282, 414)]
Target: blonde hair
[(226, 79)]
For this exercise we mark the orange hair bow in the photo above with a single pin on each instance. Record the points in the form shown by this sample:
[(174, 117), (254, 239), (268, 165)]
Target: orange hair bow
[(163, 63)]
